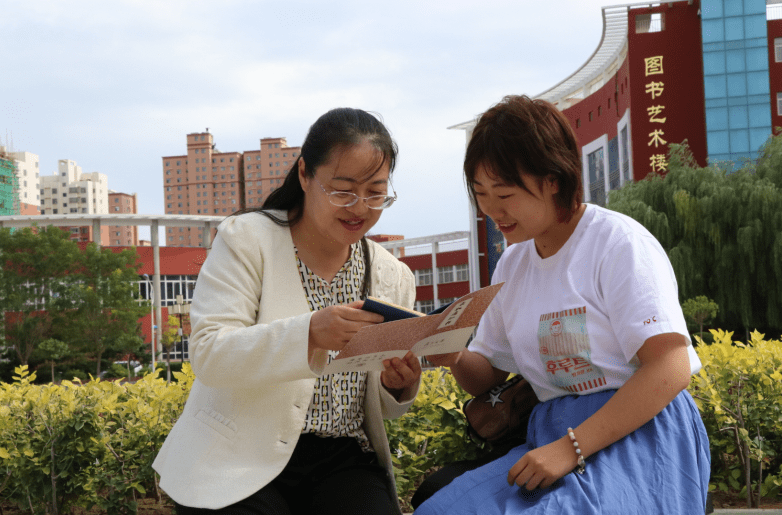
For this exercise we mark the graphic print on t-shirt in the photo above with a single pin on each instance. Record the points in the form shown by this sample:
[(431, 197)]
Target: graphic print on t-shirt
[(566, 353)]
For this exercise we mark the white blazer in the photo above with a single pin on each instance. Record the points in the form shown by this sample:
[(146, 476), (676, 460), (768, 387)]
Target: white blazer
[(248, 349)]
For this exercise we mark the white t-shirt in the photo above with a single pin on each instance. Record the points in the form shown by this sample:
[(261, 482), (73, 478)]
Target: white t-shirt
[(573, 322)]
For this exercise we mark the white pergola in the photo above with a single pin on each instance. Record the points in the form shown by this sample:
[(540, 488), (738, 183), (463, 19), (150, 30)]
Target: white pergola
[(206, 223), (435, 241)]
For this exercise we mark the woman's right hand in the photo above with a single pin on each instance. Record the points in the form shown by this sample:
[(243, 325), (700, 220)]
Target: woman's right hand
[(331, 328)]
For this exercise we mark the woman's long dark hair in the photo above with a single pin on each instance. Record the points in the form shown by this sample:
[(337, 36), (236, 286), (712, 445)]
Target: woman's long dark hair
[(337, 129)]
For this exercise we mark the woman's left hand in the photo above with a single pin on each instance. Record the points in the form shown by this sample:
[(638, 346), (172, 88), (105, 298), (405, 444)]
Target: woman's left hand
[(400, 373), (540, 467)]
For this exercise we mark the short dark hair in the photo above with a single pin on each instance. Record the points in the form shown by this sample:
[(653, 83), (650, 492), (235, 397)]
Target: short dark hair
[(522, 135)]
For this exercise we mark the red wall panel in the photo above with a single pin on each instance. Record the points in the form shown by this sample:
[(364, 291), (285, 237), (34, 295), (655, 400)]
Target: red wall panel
[(774, 72), (681, 76)]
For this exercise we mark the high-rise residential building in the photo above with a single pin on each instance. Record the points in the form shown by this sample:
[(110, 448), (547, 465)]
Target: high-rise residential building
[(70, 191), (123, 203), (206, 181), (9, 187), (27, 173), (265, 169)]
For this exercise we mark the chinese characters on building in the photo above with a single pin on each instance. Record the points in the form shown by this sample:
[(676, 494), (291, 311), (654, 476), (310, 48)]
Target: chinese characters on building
[(655, 89)]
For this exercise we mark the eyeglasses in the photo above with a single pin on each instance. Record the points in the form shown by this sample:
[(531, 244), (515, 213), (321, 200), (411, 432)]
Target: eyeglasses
[(347, 199)]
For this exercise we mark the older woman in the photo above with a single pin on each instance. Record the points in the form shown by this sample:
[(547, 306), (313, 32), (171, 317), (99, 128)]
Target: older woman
[(262, 431)]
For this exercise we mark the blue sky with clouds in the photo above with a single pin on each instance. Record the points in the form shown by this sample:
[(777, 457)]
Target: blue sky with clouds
[(117, 85)]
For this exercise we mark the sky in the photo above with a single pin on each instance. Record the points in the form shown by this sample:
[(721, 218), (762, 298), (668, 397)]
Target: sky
[(115, 86)]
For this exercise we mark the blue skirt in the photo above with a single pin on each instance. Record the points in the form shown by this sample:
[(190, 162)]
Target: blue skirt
[(661, 468)]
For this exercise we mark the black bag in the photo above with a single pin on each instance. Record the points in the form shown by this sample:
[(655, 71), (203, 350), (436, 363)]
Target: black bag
[(502, 412)]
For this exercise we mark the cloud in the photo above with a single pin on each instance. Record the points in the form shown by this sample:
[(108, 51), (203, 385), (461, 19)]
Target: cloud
[(116, 86)]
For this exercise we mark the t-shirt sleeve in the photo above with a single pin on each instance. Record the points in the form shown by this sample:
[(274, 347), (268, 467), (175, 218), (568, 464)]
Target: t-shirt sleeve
[(490, 339), (641, 295)]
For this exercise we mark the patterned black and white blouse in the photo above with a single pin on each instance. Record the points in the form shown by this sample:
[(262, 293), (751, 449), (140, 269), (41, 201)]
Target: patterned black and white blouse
[(337, 404)]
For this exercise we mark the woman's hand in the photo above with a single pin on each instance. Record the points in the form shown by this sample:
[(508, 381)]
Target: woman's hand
[(331, 328), (540, 467), (400, 373)]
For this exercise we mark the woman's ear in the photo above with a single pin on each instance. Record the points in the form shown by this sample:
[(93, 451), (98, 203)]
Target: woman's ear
[(302, 170), (553, 184)]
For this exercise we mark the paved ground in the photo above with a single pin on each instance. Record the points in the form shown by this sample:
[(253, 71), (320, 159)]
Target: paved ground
[(734, 511)]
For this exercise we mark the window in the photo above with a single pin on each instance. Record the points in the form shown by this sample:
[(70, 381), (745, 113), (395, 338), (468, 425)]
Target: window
[(647, 23), (779, 104), (462, 272), (596, 169), (424, 306), (778, 50), (444, 274), (423, 277)]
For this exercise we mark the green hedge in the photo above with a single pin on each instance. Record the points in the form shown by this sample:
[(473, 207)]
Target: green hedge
[(85, 445), (92, 444)]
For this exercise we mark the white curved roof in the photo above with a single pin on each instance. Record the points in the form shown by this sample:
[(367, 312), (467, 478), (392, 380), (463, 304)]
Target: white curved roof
[(601, 64), (612, 41)]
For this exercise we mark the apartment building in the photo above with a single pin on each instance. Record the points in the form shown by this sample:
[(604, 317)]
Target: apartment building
[(28, 175), (70, 191), (123, 203), (206, 181)]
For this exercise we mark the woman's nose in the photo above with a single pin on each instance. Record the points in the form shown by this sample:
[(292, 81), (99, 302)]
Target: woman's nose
[(490, 208)]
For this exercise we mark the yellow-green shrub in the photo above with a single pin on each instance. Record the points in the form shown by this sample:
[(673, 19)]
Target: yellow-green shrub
[(93, 443), (738, 392), (88, 444), (433, 432)]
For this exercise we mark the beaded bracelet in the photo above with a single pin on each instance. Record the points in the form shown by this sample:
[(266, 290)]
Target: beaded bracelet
[(581, 462)]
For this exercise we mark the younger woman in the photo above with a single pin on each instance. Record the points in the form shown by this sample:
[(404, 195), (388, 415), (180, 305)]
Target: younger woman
[(262, 431), (590, 316)]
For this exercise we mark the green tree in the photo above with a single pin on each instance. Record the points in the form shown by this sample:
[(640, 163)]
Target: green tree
[(34, 272), (129, 347), (53, 350), (700, 310), (103, 302), (722, 232)]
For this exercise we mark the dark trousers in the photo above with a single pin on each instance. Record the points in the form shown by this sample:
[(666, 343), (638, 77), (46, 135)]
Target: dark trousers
[(323, 476)]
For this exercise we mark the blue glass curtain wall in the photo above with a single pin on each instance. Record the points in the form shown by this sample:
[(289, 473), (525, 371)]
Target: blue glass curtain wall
[(736, 78)]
